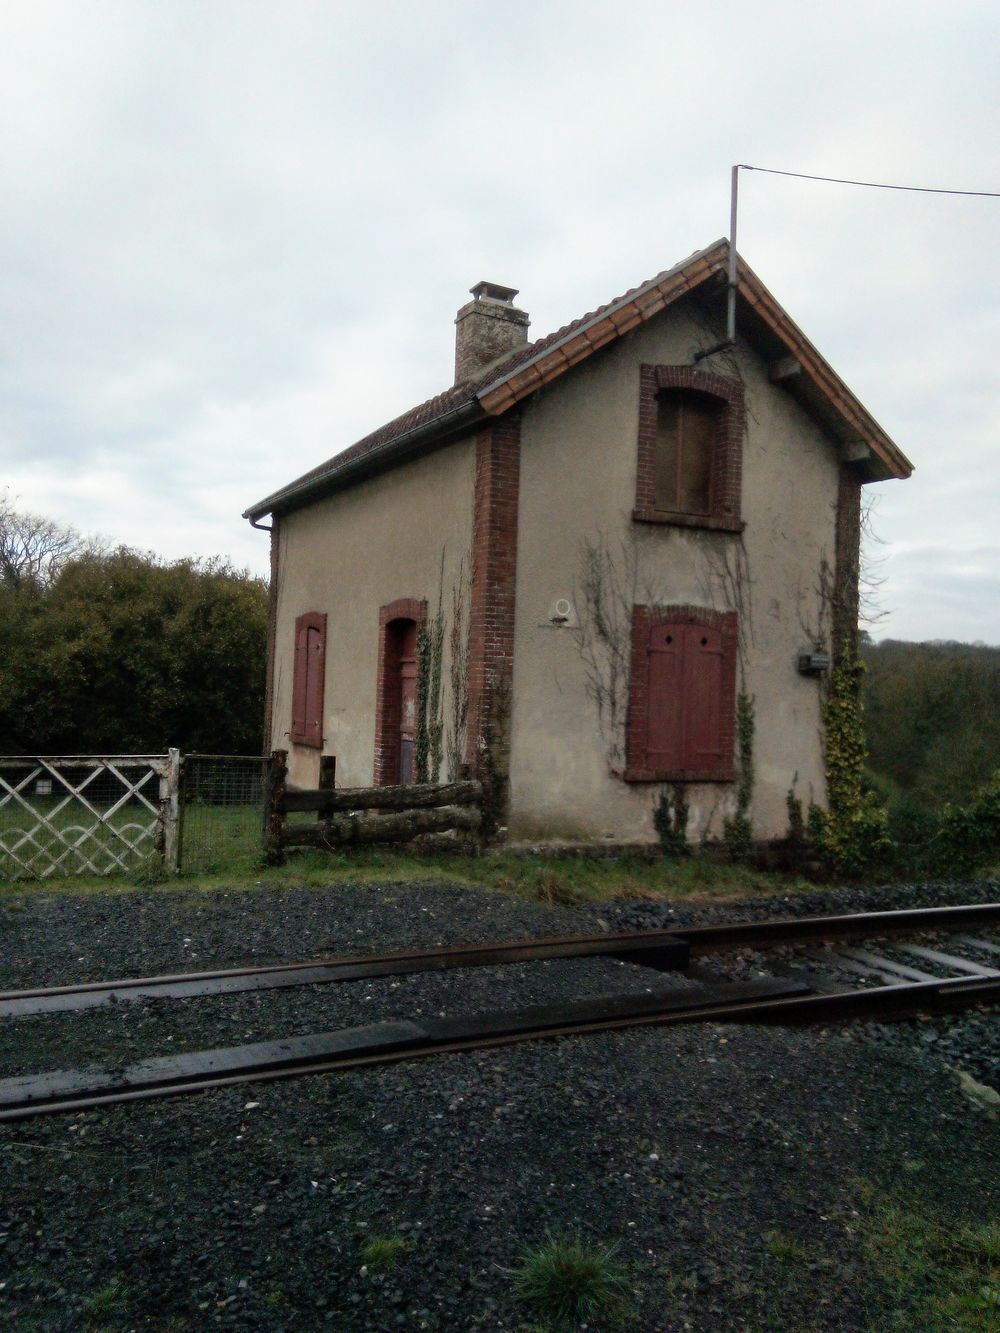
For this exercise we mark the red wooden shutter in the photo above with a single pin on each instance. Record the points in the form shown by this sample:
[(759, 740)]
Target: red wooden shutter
[(664, 747), (683, 689), (703, 699), (308, 679)]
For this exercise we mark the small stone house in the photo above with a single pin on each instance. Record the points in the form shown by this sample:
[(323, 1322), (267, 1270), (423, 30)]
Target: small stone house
[(593, 568)]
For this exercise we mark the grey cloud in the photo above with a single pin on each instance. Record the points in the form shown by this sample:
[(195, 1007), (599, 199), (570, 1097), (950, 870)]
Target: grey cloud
[(236, 236)]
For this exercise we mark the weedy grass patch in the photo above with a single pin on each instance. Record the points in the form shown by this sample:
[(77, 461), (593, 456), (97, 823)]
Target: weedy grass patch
[(936, 1276), (383, 1252), (553, 880), (566, 1282), (110, 1302)]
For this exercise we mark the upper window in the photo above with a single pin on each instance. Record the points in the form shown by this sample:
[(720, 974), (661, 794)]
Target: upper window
[(687, 428), (690, 448), (308, 679), (683, 695)]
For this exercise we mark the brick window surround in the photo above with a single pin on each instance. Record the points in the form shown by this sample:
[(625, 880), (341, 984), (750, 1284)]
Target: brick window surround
[(645, 620), (308, 679), (387, 701), (727, 460)]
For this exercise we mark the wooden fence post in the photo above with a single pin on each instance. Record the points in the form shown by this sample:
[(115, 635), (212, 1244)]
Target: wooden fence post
[(170, 813), (327, 777), (274, 806)]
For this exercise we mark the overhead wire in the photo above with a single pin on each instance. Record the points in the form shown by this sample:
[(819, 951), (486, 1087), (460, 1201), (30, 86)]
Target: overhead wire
[(869, 185)]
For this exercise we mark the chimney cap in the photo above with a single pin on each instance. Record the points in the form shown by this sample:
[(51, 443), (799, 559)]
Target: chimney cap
[(492, 291)]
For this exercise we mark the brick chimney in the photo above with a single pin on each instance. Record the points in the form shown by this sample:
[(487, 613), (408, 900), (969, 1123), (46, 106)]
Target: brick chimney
[(487, 328)]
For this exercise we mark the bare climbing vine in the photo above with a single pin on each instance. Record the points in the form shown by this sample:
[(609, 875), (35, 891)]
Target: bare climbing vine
[(608, 591), (458, 642), (434, 741)]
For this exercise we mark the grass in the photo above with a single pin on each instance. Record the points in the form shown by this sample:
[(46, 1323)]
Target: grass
[(107, 1303), (787, 1249), (565, 1282), (936, 1277), (577, 880), (383, 1252), (221, 846)]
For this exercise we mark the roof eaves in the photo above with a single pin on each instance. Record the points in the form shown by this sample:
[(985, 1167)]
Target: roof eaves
[(828, 383), (298, 492), (584, 336)]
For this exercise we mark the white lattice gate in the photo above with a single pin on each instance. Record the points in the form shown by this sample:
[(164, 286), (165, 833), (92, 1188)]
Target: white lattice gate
[(87, 814)]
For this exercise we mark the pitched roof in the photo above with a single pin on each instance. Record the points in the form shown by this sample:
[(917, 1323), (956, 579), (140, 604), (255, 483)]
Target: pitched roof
[(501, 386)]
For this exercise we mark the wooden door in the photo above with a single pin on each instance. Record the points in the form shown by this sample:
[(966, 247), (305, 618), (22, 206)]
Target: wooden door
[(407, 702)]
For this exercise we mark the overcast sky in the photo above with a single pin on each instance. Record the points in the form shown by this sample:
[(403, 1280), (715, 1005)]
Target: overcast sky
[(234, 235)]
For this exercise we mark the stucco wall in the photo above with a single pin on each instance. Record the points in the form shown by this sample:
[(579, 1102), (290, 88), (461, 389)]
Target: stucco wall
[(578, 476), (348, 555)]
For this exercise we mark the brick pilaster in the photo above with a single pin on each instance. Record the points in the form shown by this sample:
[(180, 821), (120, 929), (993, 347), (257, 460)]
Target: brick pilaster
[(491, 613)]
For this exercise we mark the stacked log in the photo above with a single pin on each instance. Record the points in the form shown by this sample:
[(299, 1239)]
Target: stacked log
[(435, 814)]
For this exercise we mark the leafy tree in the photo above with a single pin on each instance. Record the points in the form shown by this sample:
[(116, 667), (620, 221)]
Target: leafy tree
[(933, 714), (123, 653)]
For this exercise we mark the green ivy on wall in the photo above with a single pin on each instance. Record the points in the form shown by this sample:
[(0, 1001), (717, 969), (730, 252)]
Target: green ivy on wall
[(853, 833)]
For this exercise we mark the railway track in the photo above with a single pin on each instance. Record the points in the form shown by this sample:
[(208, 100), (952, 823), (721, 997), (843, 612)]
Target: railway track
[(908, 973)]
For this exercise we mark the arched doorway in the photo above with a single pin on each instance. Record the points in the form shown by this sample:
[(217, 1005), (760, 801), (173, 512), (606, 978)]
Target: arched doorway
[(396, 720)]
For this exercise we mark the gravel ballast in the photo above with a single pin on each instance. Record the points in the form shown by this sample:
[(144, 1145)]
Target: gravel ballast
[(248, 1208)]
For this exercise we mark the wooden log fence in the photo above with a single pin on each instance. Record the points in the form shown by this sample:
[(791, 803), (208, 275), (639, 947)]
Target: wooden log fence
[(428, 815)]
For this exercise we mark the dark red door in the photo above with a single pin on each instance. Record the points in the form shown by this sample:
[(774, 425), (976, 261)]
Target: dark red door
[(407, 701)]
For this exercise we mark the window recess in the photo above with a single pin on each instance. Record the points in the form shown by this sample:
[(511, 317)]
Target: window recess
[(690, 448)]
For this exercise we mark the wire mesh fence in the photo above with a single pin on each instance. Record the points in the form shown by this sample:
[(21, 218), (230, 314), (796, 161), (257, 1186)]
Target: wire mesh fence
[(221, 809)]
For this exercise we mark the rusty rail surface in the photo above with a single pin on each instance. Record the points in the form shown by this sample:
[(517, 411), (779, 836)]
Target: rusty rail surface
[(384, 1043), (662, 949), (768, 1001)]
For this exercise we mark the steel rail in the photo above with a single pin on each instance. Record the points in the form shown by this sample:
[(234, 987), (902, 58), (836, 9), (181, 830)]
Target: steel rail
[(792, 930), (663, 949), (403, 1042)]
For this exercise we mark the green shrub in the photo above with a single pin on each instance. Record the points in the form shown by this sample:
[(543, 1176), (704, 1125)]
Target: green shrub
[(670, 819), (796, 822), (970, 834)]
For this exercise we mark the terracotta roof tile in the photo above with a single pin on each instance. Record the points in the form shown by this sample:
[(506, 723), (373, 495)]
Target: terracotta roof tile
[(503, 384)]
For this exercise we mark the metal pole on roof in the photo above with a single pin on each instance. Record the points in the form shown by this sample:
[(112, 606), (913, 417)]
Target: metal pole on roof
[(730, 338), (731, 302)]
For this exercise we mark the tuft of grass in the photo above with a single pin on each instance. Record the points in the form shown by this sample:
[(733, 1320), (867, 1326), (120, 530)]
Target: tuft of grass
[(109, 1301), (383, 1252), (787, 1249), (936, 1276), (566, 1282)]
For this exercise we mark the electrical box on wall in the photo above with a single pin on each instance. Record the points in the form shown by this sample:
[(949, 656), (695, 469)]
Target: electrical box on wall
[(813, 663)]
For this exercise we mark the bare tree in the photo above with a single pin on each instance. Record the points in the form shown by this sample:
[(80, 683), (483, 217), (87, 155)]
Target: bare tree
[(33, 549), (871, 580)]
